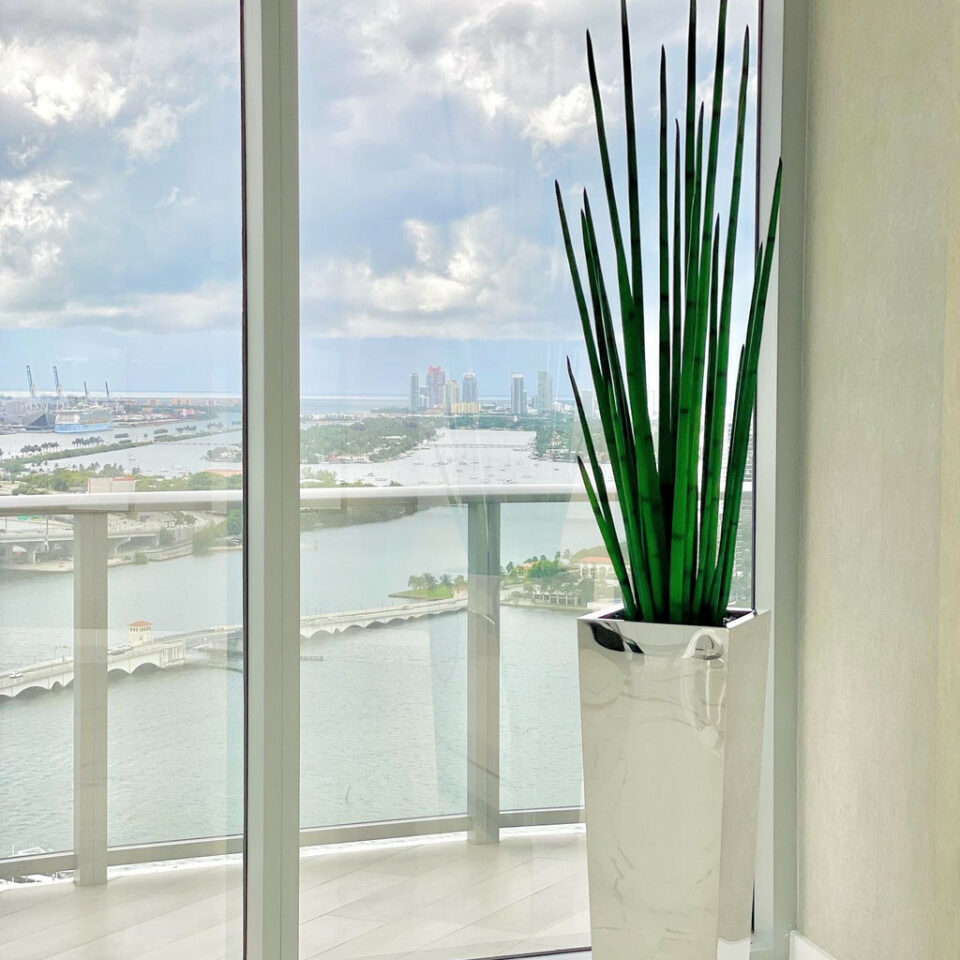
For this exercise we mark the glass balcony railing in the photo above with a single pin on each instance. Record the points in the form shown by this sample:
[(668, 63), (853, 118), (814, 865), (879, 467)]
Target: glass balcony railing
[(396, 675), (438, 664)]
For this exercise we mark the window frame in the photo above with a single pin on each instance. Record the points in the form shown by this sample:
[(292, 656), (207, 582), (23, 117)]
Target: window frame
[(781, 133), (271, 497)]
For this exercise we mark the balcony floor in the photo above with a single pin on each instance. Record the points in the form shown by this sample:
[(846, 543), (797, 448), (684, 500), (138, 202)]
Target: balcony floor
[(437, 899)]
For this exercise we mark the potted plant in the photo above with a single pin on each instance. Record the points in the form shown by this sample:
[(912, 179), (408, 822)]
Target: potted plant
[(672, 681)]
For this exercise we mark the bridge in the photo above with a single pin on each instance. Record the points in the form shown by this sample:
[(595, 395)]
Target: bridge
[(53, 536), (215, 646)]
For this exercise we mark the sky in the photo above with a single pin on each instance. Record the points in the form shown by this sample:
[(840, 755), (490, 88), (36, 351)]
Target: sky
[(431, 132)]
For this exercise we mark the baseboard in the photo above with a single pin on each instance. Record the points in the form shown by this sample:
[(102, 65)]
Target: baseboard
[(802, 949), (733, 949)]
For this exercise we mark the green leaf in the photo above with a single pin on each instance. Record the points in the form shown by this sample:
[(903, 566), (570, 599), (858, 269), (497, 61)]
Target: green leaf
[(679, 550), (603, 500), (663, 416)]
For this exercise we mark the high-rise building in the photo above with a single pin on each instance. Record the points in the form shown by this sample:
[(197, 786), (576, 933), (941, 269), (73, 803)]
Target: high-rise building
[(518, 396), (544, 392), (589, 400), (435, 380), (469, 391), (451, 395), (414, 392)]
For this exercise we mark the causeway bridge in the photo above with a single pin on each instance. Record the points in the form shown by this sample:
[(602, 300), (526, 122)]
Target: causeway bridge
[(215, 646), (52, 537)]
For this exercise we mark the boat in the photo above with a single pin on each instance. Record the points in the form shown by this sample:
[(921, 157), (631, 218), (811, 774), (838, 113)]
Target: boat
[(86, 419)]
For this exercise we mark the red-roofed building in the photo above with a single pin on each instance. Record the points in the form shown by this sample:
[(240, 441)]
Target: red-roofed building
[(140, 632)]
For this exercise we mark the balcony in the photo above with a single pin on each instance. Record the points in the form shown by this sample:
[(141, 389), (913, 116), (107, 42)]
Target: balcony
[(481, 851)]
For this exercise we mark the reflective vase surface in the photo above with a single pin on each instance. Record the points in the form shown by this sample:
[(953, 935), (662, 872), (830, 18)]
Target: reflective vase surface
[(672, 730)]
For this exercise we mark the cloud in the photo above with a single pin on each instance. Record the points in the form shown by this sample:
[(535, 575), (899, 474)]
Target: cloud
[(520, 62), (59, 82), (151, 132), (22, 153), (562, 119), (474, 278), (32, 228), (173, 199), (104, 106), (428, 130), (209, 306)]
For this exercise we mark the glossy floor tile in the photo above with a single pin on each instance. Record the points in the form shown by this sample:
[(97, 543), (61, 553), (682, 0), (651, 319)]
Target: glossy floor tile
[(429, 899)]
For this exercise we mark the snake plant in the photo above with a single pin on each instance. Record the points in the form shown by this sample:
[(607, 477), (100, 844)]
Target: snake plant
[(679, 532)]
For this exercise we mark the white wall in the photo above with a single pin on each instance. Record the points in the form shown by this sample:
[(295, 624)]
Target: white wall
[(879, 801)]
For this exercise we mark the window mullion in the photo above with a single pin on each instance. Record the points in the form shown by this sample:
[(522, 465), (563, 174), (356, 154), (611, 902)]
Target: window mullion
[(271, 478)]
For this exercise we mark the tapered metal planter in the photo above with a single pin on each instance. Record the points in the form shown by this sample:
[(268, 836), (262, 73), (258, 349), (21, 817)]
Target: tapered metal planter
[(672, 726)]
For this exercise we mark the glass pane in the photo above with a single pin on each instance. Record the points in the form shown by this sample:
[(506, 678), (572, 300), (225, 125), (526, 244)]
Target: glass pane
[(121, 684), (393, 688), (444, 564)]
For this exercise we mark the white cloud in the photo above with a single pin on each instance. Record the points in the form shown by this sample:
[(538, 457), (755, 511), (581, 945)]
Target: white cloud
[(208, 306), (59, 82), (507, 58), (29, 222), (562, 119), (151, 132), (473, 278)]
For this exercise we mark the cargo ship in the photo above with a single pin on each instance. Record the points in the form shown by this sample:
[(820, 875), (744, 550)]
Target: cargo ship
[(86, 419)]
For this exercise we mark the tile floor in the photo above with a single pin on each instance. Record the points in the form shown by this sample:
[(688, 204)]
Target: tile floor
[(435, 899)]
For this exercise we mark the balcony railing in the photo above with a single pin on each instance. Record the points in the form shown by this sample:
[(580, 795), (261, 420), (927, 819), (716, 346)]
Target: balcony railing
[(484, 818)]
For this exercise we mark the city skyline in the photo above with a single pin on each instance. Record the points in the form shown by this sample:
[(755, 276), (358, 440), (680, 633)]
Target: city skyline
[(448, 393)]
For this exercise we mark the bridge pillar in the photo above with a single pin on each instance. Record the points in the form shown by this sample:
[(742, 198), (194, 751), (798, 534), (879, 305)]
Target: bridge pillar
[(90, 698), (483, 671)]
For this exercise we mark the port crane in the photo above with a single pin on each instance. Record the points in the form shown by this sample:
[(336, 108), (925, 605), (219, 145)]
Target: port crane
[(86, 392), (56, 380), (30, 384)]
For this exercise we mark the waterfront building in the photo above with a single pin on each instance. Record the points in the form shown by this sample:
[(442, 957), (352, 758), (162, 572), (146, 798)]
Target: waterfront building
[(544, 392), (414, 392), (111, 484), (451, 395), (464, 408), (518, 396), (469, 392), (435, 381), (140, 632)]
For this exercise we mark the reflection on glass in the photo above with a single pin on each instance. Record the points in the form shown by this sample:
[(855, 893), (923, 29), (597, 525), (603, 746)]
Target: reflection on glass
[(121, 686), (436, 317)]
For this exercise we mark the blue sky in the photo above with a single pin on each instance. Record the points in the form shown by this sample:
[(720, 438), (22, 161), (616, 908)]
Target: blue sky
[(431, 132)]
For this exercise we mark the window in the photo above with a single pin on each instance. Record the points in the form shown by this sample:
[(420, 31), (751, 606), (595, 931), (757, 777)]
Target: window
[(121, 669), (408, 725)]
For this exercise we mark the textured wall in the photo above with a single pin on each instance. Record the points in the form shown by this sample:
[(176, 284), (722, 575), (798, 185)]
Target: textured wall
[(879, 801)]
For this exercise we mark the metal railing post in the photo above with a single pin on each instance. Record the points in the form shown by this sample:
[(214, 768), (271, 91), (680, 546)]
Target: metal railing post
[(90, 698), (483, 670)]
